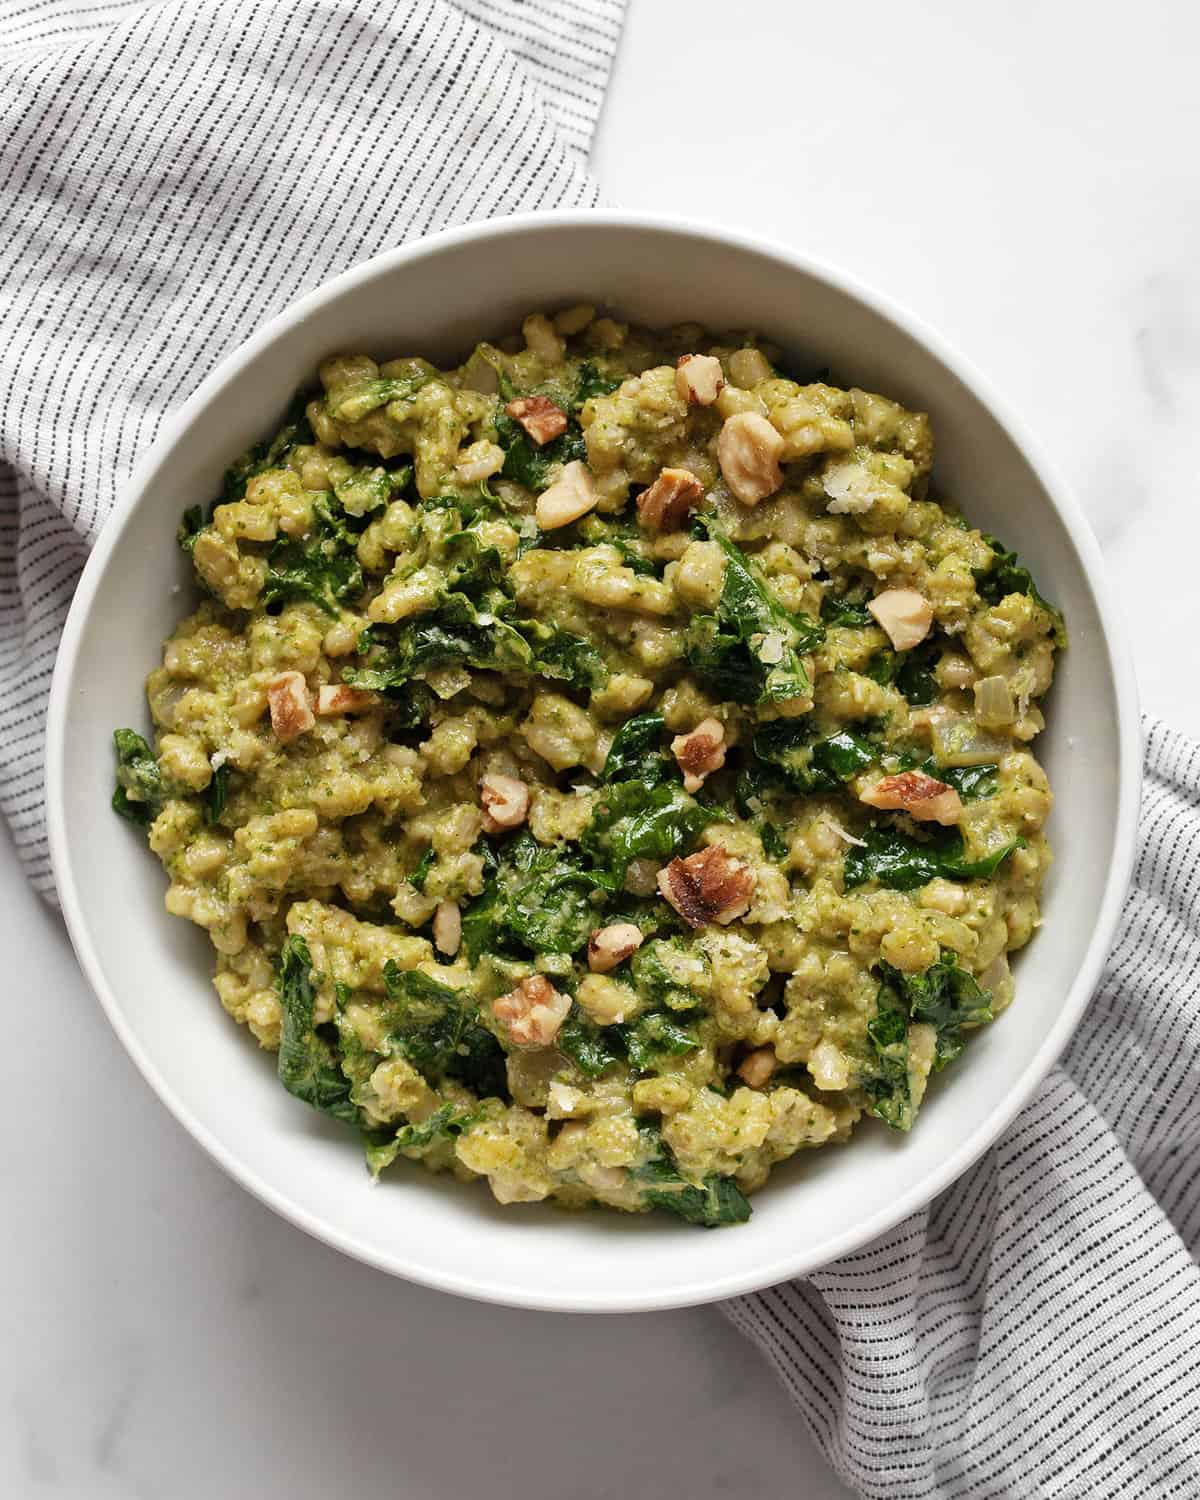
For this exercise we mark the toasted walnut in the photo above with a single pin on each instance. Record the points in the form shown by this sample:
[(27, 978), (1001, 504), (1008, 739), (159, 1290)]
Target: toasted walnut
[(539, 416), (904, 614), (920, 796), (571, 495), (341, 698), (291, 712), (707, 887), (447, 928), (533, 1012), (505, 802), (699, 753), (748, 450), (699, 379), (609, 946), (670, 500), (757, 1066)]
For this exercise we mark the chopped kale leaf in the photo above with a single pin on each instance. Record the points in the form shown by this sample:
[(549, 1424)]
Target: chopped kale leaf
[(750, 650), (638, 752), (591, 383), (590, 1047), (215, 795), (528, 464), (308, 1064), (383, 1150), (1008, 575), (437, 1029), (902, 863), (139, 793), (712, 1203)]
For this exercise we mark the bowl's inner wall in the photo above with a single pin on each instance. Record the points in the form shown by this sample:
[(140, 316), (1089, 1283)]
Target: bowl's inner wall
[(156, 968)]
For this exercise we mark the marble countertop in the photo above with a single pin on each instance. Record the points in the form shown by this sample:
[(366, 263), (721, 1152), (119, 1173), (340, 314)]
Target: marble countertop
[(1021, 177)]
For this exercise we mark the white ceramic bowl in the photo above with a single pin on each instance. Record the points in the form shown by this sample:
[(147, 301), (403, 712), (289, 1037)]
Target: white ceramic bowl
[(151, 971)]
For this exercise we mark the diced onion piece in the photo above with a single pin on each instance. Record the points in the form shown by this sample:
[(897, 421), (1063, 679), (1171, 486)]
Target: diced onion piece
[(994, 706)]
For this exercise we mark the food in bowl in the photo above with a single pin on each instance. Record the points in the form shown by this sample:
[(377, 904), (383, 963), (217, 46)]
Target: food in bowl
[(602, 767)]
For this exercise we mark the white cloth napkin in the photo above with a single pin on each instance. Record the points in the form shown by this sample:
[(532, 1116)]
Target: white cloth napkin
[(176, 172)]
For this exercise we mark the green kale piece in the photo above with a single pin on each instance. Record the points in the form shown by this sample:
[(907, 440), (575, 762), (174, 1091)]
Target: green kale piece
[(883, 666), (902, 863), (528, 464), (548, 898), (457, 632), (437, 1029), (591, 383), (593, 1049), (656, 1035), (653, 980), (810, 765), (724, 649), (944, 996), (842, 609), (773, 842), (139, 793), (266, 454), (914, 672), (215, 795), (633, 821), (419, 876), (358, 398), (308, 1064), (638, 752), (382, 1150), (564, 657), (191, 524), (369, 490), (714, 1202), (1006, 574), (886, 1086), (321, 567)]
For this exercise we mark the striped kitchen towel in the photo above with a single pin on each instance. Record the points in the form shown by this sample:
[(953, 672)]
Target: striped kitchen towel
[(176, 171), (1036, 1330)]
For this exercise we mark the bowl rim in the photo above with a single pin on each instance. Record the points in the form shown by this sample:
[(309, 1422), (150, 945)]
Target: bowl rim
[(1128, 745)]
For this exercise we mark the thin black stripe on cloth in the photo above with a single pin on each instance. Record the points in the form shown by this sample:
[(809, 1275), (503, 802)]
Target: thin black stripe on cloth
[(1036, 1330), (174, 174)]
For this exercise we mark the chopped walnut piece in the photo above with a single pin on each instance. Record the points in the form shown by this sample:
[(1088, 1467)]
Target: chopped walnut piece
[(447, 928), (341, 698), (670, 500), (291, 711), (699, 753), (505, 802), (699, 379), (708, 886), (920, 796), (571, 495), (533, 1012), (609, 946), (539, 416), (748, 450), (905, 616), (757, 1066)]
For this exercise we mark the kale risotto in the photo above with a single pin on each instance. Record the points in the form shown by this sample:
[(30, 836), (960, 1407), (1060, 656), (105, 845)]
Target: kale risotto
[(601, 768)]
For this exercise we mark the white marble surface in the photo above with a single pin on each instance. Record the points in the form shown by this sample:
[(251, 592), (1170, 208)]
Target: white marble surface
[(1022, 177)]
